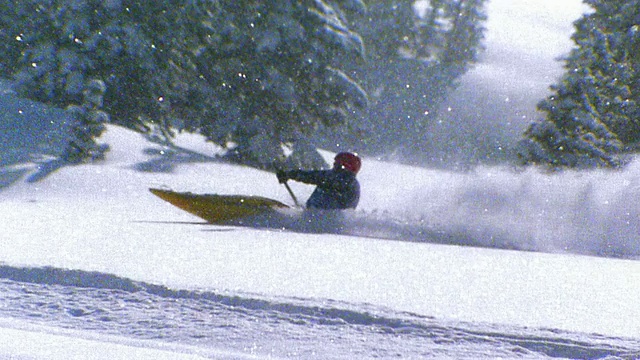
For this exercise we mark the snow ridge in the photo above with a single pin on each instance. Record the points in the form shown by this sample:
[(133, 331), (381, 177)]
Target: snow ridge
[(273, 326)]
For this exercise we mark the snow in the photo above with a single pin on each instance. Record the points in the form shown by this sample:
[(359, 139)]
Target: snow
[(496, 101), (40, 342), (524, 40), (101, 218), (490, 263)]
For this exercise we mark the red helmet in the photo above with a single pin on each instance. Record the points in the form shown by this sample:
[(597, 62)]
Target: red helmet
[(348, 161)]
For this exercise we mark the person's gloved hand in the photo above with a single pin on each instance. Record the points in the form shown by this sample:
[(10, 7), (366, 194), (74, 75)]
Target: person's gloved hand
[(282, 176)]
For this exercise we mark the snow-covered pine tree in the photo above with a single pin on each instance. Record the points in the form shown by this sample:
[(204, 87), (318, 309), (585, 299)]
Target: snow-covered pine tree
[(87, 124), (53, 49), (255, 74), (592, 117), (416, 50), (273, 69)]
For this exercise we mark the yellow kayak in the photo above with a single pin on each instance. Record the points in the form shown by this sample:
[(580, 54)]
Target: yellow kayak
[(220, 209)]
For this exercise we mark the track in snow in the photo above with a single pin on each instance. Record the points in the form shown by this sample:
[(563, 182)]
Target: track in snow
[(296, 328)]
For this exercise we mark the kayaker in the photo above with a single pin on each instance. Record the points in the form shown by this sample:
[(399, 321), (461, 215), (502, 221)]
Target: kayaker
[(336, 189)]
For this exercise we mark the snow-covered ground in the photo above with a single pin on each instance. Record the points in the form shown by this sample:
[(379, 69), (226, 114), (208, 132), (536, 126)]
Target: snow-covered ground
[(89, 248), (484, 264)]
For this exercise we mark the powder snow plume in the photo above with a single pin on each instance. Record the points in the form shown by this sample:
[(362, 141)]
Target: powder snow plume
[(586, 212)]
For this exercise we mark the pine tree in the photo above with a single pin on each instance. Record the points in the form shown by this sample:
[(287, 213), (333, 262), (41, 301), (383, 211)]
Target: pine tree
[(256, 74), (275, 75), (87, 124), (592, 116), (414, 57)]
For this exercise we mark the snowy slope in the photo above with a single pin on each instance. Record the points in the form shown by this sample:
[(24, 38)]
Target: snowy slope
[(20, 340), (94, 267), (39, 342), (101, 221)]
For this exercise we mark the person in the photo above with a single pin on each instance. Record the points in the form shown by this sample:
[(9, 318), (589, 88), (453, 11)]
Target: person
[(336, 189)]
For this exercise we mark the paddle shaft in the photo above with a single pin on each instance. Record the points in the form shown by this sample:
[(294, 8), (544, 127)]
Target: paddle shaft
[(293, 196)]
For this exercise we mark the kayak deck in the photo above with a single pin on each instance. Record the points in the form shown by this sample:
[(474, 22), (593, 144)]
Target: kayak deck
[(219, 209)]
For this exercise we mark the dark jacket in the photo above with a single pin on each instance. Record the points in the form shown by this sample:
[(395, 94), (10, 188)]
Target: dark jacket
[(336, 189)]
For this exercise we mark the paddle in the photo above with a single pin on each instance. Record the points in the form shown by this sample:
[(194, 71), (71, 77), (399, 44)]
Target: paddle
[(286, 185), (293, 196)]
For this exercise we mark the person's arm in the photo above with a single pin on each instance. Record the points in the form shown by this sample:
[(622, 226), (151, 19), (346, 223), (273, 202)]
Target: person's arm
[(314, 177)]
